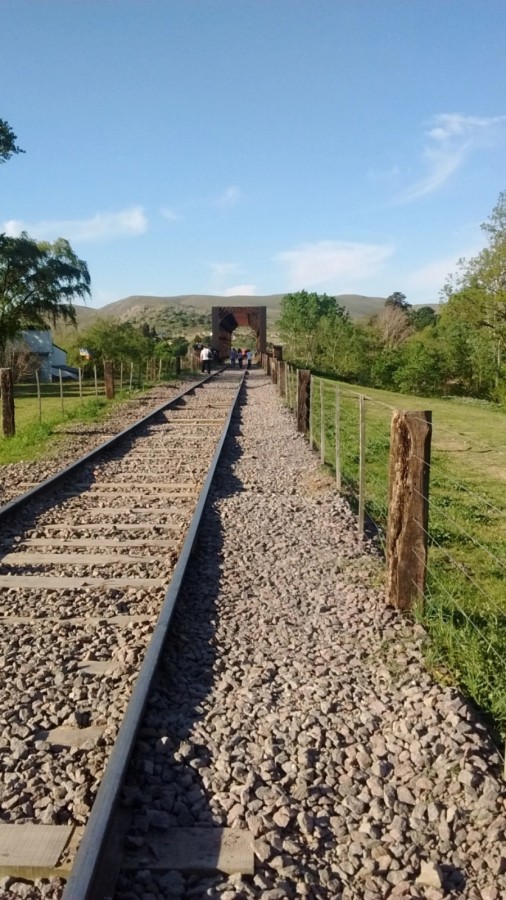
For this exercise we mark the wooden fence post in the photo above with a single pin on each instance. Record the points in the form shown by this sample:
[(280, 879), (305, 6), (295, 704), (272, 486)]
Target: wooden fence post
[(95, 376), (178, 365), (109, 380), (408, 507), (39, 395), (303, 400), (311, 404), (281, 366), (338, 439), (7, 389), (361, 465), (274, 370), (322, 424), (61, 391)]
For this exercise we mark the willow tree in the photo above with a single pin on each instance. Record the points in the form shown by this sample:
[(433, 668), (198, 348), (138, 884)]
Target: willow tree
[(39, 282)]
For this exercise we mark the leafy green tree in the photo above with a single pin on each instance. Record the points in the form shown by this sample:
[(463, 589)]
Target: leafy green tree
[(421, 368), (8, 146), (39, 282), (397, 300), (108, 339), (476, 294), (422, 317), (301, 314)]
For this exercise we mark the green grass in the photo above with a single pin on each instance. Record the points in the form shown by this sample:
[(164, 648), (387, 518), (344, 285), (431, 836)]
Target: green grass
[(36, 438), (464, 610)]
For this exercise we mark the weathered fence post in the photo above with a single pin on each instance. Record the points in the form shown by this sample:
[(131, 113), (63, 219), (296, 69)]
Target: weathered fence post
[(311, 402), (361, 465), (95, 376), (39, 395), (178, 365), (274, 370), (322, 423), (281, 378), (303, 400), (80, 376), (408, 507), (131, 376), (7, 389), (109, 380), (338, 439), (61, 391)]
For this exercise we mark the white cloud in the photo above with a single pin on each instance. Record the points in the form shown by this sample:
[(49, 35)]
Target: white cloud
[(332, 262), (229, 197), (450, 141), (102, 226), (240, 290)]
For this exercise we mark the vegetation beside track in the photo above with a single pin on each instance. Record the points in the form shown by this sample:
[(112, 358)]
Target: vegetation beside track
[(465, 605), (36, 439)]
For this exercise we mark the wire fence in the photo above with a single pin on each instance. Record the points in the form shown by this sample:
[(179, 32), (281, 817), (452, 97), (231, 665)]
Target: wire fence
[(37, 401), (464, 604)]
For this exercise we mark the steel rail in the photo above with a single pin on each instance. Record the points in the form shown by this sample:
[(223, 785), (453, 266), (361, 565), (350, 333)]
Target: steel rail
[(14, 506), (82, 882)]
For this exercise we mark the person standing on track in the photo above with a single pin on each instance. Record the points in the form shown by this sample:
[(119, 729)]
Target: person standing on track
[(249, 357), (233, 356), (205, 359), (240, 357)]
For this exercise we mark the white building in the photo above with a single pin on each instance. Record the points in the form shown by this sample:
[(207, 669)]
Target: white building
[(51, 358)]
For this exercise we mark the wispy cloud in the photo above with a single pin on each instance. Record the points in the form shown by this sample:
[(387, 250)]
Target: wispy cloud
[(450, 140), (331, 262), (240, 290), (229, 197), (101, 227)]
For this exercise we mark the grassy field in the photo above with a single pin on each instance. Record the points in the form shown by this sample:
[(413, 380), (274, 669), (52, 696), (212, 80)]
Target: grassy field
[(38, 425), (464, 610)]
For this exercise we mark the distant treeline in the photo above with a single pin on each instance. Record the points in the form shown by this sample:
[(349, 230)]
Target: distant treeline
[(458, 351)]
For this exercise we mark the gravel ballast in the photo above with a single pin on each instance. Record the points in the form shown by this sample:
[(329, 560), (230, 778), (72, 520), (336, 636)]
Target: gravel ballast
[(295, 705)]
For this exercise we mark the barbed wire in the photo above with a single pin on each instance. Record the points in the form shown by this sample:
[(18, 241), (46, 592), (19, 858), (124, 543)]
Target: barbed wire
[(463, 613)]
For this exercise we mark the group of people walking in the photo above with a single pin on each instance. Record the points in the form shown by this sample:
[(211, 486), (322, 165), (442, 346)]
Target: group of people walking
[(238, 356)]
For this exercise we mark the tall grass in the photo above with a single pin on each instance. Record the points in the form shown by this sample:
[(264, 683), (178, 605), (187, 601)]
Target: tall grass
[(464, 610)]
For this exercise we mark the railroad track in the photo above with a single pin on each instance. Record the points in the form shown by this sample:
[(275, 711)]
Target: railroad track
[(90, 568)]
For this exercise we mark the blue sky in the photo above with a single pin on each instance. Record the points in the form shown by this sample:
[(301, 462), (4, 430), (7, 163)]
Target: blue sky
[(256, 146)]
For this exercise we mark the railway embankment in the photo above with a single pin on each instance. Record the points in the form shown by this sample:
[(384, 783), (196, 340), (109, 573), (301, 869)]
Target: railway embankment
[(295, 706)]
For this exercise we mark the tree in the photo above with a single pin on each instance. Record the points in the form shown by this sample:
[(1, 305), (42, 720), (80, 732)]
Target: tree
[(393, 325), (8, 146), (397, 300), (477, 293), (423, 317), (301, 314), (107, 339), (38, 283)]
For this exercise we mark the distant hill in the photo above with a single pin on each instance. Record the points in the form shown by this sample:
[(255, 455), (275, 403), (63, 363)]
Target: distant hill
[(191, 312)]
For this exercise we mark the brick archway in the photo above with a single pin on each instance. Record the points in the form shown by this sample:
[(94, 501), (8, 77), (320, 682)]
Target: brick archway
[(225, 319)]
